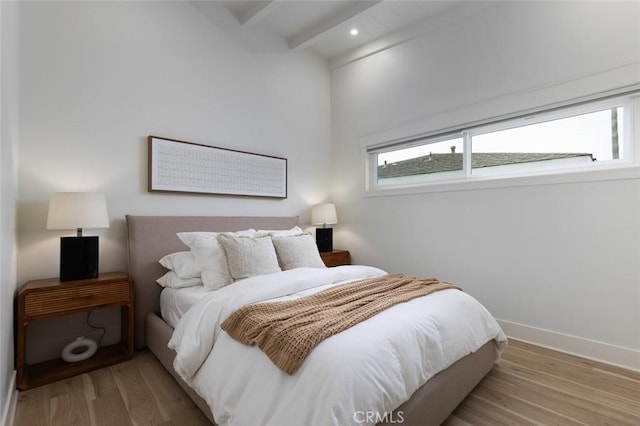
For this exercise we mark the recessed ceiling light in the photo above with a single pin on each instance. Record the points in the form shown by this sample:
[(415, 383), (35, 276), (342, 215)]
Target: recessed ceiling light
[(354, 31)]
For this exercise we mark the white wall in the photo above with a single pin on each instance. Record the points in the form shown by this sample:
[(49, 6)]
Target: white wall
[(557, 264), (98, 77), (8, 191)]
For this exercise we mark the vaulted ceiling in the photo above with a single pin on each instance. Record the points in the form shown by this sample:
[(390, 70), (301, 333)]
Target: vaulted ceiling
[(324, 26)]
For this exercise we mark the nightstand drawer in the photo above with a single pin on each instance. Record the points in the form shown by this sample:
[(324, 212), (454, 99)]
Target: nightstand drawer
[(336, 258), (64, 299)]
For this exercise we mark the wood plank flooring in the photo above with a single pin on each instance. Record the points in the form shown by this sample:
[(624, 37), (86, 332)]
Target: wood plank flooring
[(137, 392), (538, 386), (531, 386)]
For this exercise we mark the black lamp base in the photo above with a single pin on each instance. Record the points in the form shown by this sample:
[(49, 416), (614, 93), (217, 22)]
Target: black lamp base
[(78, 258), (324, 239)]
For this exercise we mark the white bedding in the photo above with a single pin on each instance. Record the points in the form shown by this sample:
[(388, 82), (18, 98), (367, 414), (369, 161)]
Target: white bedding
[(373, 366), (175, 302)]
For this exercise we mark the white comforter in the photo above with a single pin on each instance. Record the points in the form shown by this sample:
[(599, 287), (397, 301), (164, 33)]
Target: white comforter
[(372, 367)]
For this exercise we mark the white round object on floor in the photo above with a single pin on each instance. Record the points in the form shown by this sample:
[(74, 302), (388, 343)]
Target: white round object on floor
[(79, 350)]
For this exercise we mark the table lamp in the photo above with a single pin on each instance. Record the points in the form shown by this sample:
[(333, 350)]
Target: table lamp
[(324, 214), (77, 210)]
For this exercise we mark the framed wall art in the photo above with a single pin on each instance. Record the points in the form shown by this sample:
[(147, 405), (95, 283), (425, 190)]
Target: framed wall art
[(178, 166)]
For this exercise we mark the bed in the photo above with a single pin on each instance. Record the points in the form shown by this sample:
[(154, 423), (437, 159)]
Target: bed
[(152, 237)]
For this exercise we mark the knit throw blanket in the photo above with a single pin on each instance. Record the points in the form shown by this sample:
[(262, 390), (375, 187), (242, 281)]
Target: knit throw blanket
[(287, 331)]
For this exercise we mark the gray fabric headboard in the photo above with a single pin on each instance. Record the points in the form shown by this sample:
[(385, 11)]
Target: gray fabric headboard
[(151, 237)]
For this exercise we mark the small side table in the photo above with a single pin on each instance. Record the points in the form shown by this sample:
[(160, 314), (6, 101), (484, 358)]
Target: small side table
[(48, 298), (336, 258)]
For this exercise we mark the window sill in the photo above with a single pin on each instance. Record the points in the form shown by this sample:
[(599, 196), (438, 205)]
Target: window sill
[(609, 173)]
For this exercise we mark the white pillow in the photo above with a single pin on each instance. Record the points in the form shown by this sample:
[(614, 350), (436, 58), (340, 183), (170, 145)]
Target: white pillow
[(210, 259), (299, 251), (183, 263), (172, 280), (296, 230), (248, 257)]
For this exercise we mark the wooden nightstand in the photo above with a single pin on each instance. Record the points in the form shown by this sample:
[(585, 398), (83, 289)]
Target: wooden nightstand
[(336, 257), (41, 299)]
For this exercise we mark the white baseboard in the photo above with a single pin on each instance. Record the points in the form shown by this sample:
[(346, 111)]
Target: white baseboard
[(591, 349), (9, 411)]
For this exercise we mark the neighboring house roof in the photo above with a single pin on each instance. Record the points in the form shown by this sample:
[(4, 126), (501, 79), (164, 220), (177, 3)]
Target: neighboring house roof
[(437, 163)]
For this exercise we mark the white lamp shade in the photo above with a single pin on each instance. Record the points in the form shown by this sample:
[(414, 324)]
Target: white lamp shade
[(324, 214), (73, 210)]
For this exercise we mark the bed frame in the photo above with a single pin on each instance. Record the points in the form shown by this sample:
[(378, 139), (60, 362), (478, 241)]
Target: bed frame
[(151, 237)]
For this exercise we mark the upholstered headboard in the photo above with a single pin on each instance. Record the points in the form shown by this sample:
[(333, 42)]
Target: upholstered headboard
[(151, 237)]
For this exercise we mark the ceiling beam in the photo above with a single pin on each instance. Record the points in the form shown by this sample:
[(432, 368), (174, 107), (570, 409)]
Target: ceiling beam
[(306, 37), (257, 13)]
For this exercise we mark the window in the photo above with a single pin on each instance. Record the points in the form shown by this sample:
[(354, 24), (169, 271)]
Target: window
[(575, 140), (575, 137), (406, 165)]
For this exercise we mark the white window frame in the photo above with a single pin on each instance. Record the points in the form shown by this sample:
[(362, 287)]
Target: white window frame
[(625, 168)]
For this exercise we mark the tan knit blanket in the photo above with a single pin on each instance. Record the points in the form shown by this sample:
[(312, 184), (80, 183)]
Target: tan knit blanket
[(288, 331)]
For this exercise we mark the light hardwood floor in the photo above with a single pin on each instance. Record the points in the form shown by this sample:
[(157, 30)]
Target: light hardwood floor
[(531, 386)]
